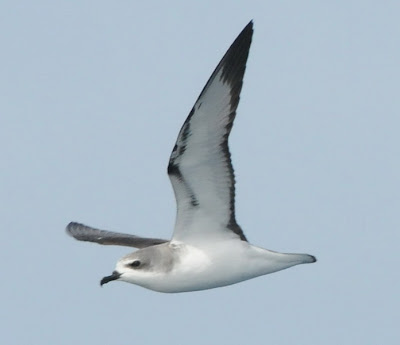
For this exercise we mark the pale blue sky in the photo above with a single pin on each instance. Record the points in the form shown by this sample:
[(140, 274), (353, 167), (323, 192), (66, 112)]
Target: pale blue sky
[(93, 94)]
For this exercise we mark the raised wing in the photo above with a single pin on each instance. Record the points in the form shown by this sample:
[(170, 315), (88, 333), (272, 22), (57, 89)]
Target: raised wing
[(85, 233), (200, 165)]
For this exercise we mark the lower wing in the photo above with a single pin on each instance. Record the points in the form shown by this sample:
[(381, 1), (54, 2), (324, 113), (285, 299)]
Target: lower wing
[(85, 233)]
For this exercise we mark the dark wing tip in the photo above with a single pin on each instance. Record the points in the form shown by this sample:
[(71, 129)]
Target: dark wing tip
[(86, 233), (75, 230), (247, 30), (233, 64)]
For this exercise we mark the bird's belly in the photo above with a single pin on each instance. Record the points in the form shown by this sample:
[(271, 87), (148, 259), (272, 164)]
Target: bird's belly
[(199, 270), (207, 279)]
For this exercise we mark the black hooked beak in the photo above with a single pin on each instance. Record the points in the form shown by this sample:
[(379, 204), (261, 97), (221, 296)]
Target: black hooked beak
[(114, 276)]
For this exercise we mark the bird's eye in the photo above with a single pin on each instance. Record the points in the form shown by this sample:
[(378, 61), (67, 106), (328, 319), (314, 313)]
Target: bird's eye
[(135, 263)]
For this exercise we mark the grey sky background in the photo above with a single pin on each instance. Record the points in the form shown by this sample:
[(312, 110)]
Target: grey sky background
[(93, 94)]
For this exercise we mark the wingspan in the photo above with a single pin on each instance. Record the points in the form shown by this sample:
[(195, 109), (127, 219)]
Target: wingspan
[(200, 165), (85, 233)]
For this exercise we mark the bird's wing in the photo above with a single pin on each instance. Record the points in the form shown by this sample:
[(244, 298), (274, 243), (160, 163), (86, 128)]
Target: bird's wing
[(85, 233), (200, 165)]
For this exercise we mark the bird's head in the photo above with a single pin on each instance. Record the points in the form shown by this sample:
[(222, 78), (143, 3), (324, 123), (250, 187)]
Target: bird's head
[(142, 266)]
